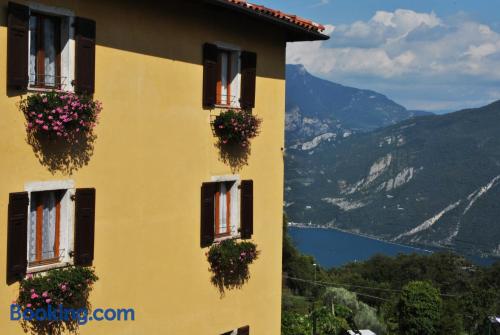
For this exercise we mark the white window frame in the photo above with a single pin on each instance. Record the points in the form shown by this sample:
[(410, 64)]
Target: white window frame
[(235, 52), (67, 228), (67, 51), (235, 205)]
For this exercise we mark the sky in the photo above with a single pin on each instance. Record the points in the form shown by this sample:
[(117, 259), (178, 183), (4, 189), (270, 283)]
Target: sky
[(433, 55)]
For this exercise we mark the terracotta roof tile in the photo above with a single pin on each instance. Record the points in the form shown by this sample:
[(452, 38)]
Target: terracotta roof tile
[(304, 23)]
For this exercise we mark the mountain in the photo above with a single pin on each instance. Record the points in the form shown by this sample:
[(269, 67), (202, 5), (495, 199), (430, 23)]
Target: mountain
[(316, 107), (430, 180)]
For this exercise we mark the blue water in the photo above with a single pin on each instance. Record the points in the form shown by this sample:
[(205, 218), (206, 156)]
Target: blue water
[(333, 248)]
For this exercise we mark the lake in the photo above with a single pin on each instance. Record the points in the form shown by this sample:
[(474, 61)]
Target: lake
[(333, 248)]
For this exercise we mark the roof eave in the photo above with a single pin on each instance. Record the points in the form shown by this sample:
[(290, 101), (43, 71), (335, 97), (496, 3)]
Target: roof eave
[(295, 33)]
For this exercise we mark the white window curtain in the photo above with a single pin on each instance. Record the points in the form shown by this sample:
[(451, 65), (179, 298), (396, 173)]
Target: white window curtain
[(32, 229), (224, 84), (48, 222), (49, 36), (223, 208), (33, 41), (49, 225)]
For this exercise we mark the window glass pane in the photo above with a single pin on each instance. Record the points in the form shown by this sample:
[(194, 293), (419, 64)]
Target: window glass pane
[(33, 42), (49, 45)]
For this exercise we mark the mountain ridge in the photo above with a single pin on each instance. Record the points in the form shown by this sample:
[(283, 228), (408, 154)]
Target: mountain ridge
[(428, 180)]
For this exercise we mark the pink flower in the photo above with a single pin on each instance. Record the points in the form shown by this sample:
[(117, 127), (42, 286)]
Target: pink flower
[(28, 305), (63, 287), (32, 290), (34, 296), (48, 301), (45, 127), (45, 294), (44, 100), (40, 115)]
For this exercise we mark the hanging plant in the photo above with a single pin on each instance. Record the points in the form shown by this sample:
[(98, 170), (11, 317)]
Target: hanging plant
[(229, 262), (61, 115), (66, 287), (236, 127)]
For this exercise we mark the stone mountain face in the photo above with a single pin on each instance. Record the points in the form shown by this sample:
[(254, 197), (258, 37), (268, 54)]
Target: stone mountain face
[(431, 180), (317, 107)]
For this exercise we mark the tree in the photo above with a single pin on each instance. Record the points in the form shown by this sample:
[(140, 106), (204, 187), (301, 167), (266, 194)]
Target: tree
[(419, 309)]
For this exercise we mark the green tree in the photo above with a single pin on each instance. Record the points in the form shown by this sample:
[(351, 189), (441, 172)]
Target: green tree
[(295, 324), (419, 309)]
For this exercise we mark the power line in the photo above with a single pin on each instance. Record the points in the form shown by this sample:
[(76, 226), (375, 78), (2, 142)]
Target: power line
[(356, 286), (328, 285)]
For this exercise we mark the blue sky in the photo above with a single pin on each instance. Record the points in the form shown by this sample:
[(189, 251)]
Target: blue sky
[(432, 55)]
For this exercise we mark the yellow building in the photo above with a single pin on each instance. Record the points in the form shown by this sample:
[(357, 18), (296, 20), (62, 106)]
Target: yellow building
[(127, 199)]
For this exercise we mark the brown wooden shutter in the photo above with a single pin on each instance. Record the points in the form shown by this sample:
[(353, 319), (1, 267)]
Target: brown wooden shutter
[(17, 46), (85, 37), (84, 226), (248, 79), (246, 212), (209, 75), (207, 214), (17, 236), (244, 330)]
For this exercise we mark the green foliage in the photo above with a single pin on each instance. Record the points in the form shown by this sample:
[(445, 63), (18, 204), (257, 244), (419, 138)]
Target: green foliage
[(229, 262), (419, 309), (327, 323), (346, 304), (69, 287), (293, 323)]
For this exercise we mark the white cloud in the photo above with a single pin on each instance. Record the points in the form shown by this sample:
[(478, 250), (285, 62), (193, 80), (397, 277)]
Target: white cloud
[(405, 47)]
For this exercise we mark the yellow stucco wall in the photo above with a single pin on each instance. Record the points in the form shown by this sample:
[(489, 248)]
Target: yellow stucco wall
[(154, 149)]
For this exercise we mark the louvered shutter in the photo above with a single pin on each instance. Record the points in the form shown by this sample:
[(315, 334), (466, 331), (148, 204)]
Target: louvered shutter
[(84, 226), (209, 75), (207, 214), (244, 330), (85, 37), (246, 211), (17, 236), (248, 79), (17, 46)]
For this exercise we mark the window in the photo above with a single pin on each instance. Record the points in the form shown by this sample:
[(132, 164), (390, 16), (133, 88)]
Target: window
[(226, 209), (50, 66), (49, 48), (45, 228), (229, 77), (45, 51), (228, 68), (225, 222), (50, 223)]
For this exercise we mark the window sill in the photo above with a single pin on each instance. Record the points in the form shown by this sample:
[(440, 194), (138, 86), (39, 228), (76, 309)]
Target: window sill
[(228, 107), (46, 267), (46, 90), (228, 237)]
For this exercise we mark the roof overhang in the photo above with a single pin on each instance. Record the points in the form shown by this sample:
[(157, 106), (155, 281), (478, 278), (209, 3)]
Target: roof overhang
[(294, 32)]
